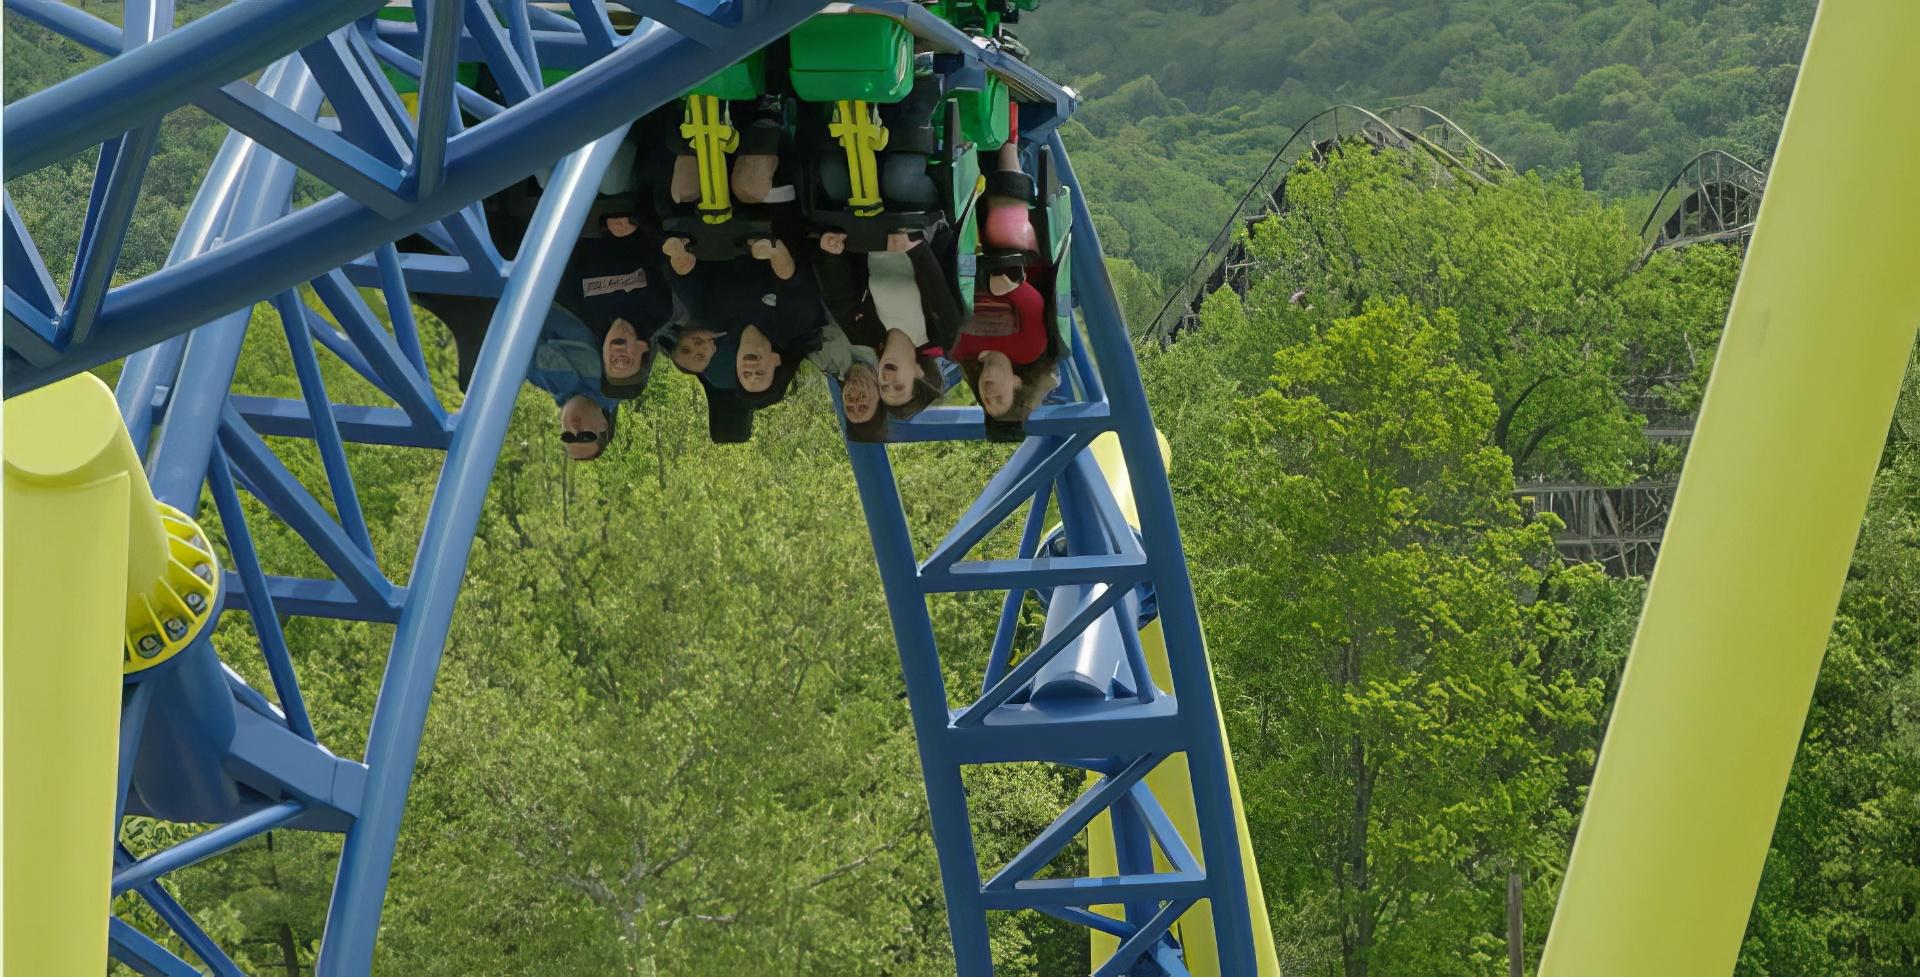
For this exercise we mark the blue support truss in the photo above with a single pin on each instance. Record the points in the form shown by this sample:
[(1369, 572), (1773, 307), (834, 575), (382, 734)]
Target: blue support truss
[(199, 744), (1036, 710)]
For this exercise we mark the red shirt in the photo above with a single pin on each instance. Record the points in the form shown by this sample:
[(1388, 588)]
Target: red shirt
[(1014, 324)]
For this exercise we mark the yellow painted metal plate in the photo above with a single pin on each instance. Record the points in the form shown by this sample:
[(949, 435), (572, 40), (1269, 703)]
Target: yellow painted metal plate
[(66, 565)]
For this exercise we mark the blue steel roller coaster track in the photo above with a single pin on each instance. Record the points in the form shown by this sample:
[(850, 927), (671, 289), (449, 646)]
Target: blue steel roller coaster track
[(199, 744)]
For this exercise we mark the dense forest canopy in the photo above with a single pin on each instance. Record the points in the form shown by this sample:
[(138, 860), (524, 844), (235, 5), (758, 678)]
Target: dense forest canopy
[(1624, 89), (669, 735), (1186, 101)]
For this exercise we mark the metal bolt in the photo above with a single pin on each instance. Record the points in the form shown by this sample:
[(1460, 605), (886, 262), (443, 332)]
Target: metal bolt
[(204, 571), (148, 645), (195, 602), (176, 628)]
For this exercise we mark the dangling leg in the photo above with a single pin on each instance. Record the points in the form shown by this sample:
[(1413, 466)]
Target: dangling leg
[(904, 179), (686, 179), (834, 178), (759, 153), (1009, 189)]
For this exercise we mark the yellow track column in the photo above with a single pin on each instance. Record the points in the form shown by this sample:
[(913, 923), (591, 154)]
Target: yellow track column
[(72, 479), (1715, 694), (1170, 782)]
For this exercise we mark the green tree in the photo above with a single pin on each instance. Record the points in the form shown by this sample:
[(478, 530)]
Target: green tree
[(1528, 266), (1840, 894), (1374, 614)]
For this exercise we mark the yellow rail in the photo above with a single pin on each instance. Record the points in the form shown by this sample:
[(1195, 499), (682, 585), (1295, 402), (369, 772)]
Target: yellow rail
[(1715, 693), (1170, 783)]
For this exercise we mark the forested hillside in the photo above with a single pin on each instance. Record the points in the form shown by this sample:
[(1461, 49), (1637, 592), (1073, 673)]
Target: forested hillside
[(669, 736), (1186, 100)]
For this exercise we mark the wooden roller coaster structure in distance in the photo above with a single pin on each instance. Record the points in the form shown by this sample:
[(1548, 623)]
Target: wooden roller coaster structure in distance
[(1713, 198)]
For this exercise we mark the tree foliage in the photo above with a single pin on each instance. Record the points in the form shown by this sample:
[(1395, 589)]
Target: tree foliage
[(1385, 649), (1531, 267), (1841, 890), (1625, 90)]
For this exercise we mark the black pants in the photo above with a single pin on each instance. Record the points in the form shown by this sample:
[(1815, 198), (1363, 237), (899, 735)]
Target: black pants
[(466, 317)]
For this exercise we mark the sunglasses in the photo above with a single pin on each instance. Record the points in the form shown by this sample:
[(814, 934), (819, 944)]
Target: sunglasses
[(579, 437)]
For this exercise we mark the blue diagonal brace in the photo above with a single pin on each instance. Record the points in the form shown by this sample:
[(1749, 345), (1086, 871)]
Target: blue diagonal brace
[(513, 77), (1134, 947), (520, 32), (326, 433), (385, 97), (1087, 485), (1097, 604), (290, 500), (552, 20), (437, 116), (177, 919), (594, 26), (438, 274), (1004, 632), (142, 955), (329, 156), (480, 106), (342, 347), (1033, 465), (466, 231), (393, 288), (1056, 836), (1091, 920), (26, 271), (116, 187), (408, 388), (204, 845), (1142, 800), (253, 579), (358, 98)]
